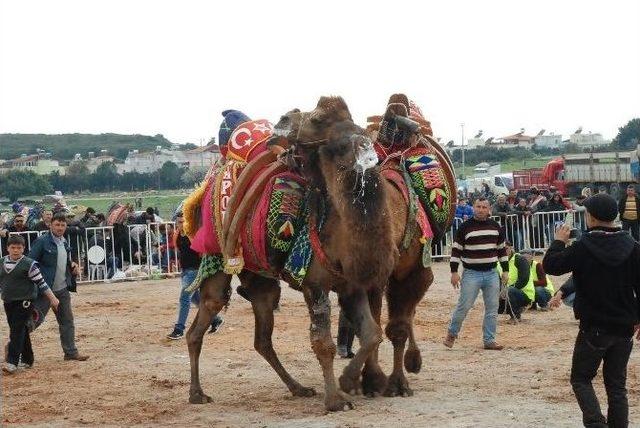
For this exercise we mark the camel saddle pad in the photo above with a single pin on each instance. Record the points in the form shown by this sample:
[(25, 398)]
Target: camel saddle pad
[(426, 172), (213, 207), (269, 232)]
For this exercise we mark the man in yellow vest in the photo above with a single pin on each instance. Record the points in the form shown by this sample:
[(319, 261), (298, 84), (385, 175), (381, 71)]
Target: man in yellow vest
[(520, 291), (544, 290)]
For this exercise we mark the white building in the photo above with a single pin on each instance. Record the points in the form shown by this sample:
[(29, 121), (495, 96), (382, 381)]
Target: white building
[(551, 141), (148, 162), (474, 143), (587, 140), (39, 163)]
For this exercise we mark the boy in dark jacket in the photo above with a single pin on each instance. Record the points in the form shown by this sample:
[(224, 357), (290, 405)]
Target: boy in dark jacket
[(20, 282), (605, 263)]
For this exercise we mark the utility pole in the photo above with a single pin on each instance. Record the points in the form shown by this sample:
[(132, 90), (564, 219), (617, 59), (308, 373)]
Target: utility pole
[(463, 166)]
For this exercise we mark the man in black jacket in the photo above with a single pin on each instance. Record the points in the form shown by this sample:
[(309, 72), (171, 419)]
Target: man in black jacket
[(606, 270), (629, 209)]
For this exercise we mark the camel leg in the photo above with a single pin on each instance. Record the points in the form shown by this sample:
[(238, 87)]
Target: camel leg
[(264, 294), (356, 308), (402, 298), (412, 357), (319, 305), (374, 381), (214, 294)]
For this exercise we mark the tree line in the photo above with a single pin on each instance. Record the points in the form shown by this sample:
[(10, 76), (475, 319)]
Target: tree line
[(16, 184)]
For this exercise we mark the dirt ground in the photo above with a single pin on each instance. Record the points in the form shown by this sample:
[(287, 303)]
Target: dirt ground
[(137, 377)]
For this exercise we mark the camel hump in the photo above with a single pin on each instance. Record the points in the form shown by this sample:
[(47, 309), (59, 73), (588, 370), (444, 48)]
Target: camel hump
[(335, 107)]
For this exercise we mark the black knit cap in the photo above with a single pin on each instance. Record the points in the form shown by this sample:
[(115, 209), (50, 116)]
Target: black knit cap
[(602, 206)]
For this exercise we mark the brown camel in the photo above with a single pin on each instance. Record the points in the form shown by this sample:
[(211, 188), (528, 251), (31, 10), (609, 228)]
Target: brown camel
[(407, 283), (359, 266)]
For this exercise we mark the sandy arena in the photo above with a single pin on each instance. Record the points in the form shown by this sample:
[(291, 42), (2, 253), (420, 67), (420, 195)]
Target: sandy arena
[(137, 377)]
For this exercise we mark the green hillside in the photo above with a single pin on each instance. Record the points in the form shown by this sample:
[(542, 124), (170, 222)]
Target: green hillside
[(64, 146)]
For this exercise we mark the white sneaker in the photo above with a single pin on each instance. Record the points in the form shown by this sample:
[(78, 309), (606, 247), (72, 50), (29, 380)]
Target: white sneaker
[(24, 365), (9, 368)]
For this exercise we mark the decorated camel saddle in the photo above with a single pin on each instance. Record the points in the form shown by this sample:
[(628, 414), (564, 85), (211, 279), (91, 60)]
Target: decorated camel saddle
[(251, 212), (252, 197)]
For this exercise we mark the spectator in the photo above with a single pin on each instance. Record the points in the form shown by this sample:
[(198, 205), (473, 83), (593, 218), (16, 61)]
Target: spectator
[(605, 264), (190, 263), (629, 210), (542, 283), (512, 199), (501, 208), (537, 203), (520, 291), (20, 282), (45, 222), (19, 225), (463, 210), (89, 219), (53, 254), (602, 190), (556, 203), (580, 210), (566, 294), (522, 212), (75, 236)]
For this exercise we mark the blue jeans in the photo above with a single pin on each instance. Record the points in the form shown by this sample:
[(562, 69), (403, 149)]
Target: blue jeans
[(542, 297), (569, 300), (472, 282), (188, 276)]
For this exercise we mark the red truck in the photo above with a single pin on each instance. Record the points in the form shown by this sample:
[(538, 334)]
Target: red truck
[(571, 173)]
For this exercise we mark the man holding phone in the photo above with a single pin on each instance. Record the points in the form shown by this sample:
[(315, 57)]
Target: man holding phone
[(605, 263)]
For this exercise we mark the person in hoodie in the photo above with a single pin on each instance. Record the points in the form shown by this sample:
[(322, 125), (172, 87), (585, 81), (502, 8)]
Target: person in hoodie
[(605, 263)]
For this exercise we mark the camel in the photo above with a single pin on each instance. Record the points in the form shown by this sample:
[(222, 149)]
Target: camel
[(407, 284), (361, 240)]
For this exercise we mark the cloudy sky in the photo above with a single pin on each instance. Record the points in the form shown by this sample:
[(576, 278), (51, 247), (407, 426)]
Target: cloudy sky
[(170, 67)]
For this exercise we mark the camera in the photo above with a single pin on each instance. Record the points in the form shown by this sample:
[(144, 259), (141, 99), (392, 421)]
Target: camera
[(572, 235)]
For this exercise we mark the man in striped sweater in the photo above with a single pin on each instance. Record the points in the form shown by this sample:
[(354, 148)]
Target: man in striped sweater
[(479, 244)]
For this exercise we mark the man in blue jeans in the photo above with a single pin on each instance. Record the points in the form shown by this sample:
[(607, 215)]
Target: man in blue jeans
[(480, 245), (190, 262)]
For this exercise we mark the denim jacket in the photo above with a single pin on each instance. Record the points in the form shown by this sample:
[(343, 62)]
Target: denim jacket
[(45, 251)]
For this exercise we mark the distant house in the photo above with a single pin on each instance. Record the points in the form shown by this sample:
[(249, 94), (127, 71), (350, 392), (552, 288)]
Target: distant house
[(587, 140), (148, 162), (511, 141), (551, 141), (40, 163)]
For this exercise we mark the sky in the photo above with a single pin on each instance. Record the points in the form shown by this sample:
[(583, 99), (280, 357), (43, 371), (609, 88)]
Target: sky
[(171, 67)]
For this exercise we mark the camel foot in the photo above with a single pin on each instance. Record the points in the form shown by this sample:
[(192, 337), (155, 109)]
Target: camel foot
[(199, 398), (398, 386), (413, 360), (350, 384), (374, 383), (301, 391), (338, 403)]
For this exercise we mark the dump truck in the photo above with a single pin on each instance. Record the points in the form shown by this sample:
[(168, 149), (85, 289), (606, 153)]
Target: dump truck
[(571, 173)]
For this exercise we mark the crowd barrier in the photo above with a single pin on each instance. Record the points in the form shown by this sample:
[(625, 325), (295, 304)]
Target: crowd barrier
[(526, 232), (142, 251), (137, 251)]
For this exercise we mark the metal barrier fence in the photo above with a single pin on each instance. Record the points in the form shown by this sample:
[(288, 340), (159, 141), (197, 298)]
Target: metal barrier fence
[(141, 251), (137, 251), (525, 231)]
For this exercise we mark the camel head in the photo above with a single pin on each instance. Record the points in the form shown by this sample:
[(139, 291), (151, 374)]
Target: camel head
[(327, 131)]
